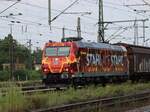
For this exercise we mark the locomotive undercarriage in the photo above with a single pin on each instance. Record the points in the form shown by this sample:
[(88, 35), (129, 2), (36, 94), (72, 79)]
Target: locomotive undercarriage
[(57, 79)]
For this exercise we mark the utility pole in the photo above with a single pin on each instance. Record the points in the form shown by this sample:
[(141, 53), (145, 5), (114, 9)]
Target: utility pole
[(11, 52), (136, 27), (78, 28), (135, 33), (144, 31), (30, 57), (101, 23), (49, 13), (63, 32), (50, 19)]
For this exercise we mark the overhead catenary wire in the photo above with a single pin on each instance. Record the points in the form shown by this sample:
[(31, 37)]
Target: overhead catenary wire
[(58, 11), (43, 25), (113, 6), (9, 7), (146, 3), (92, 18), (114, 36), (38, 6), (64, 10), (23, 21), (88, 17)]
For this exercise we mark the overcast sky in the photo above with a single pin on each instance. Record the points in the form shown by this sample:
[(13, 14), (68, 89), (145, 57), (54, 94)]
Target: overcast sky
[(34, 21)]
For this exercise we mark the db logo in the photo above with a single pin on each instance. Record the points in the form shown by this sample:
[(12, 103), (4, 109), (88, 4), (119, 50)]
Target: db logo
[(55, 62)]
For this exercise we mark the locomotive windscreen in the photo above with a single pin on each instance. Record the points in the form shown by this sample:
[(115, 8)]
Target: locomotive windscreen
[(57, 51)]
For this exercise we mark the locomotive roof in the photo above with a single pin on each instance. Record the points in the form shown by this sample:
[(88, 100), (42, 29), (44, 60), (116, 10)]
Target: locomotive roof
[(94, 45)]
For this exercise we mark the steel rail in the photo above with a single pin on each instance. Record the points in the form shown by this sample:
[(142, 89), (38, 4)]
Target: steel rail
[(101, 103), (20, 83), (32, 90)]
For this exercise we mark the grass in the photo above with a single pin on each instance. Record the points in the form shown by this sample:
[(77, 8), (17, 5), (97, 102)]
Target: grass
[(16, 102), (92, 92), (21, 83), (13, 101)]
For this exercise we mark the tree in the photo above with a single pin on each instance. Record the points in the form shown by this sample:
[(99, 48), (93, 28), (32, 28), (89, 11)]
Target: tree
[(21, 53), (37, 56), (4, 50)]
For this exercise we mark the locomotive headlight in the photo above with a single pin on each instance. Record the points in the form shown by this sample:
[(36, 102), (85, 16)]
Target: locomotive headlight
[(45, 68), (67, 69), (73, 76), (71, 71)]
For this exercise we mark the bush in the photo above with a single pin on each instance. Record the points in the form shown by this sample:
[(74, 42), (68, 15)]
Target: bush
[(35, 75), (21, 75), (27, 75), (4, 75)]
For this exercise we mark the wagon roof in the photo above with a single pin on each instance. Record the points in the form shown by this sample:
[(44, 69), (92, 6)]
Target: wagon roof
[(137, 49), (94, 45)]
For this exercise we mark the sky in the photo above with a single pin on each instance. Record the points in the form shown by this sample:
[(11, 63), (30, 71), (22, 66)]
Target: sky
[(33, 23)]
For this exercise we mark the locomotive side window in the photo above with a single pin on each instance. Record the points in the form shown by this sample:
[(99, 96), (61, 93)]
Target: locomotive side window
[(57, 51)]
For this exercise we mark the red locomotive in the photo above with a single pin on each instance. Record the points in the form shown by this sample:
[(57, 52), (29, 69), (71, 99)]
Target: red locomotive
[(80, 62)]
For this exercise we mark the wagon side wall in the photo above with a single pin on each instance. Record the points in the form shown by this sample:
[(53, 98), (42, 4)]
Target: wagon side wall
[(139, 61)]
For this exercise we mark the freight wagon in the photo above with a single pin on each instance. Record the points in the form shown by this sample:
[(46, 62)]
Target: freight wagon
[(139, 61)]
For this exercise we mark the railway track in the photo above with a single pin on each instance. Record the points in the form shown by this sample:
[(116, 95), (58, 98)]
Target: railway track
[(20, 83), (28, 90), (100, 103), (32, 90)]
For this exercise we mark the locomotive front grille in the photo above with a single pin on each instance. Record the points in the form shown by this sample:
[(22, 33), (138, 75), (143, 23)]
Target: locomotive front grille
[(56, 69)]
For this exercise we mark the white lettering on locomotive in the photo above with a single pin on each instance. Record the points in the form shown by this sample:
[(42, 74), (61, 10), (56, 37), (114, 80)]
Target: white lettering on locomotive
[(93, 59), (116, 59)]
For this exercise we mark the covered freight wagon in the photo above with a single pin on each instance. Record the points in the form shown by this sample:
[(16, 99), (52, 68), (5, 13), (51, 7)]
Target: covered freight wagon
[(139, 61)]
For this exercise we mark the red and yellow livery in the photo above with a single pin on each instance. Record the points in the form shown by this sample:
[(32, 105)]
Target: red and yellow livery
[(83, 62)]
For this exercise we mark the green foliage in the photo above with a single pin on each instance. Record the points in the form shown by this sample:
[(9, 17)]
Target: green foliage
[(4, 50), (91, 92), (21, 53), (37, 55), (35, 75), (4, 75), (21, 75), (37, 101), (14, 101)]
